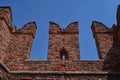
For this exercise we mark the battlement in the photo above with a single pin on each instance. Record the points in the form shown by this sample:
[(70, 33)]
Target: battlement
[(103, 37), (63, 42), (106, 38), (6, 16), (99, 27), (5, 13), (72, 28), (63, 51), (29, 28), (14, 42)]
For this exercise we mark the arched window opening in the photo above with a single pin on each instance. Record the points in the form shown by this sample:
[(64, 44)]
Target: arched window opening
[(63, 54)]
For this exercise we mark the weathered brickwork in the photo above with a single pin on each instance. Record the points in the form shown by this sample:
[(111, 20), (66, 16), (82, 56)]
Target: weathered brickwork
[(63, 42), (63, 61)]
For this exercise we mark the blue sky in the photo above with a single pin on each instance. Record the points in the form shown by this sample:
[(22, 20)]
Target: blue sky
[(63, 12)]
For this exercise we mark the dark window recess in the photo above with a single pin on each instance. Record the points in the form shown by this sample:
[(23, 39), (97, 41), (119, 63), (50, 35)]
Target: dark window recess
[(63, 54)]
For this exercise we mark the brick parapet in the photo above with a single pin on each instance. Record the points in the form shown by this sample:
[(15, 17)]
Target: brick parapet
[(103, 37), (15, 47), (107, 39), (14, 42), (72, 28), (63, 42), (82, 65), (6, 13)]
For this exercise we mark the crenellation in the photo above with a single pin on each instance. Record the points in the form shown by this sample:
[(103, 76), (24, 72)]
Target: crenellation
[(72, 28), (99, 27), (103, 37), (15, 42), (5, 12), (67, 38), (63, 60), (54, 28), (29, 28)]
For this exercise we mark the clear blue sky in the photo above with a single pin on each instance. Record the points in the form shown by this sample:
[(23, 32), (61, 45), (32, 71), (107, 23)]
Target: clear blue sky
[(63, 12)]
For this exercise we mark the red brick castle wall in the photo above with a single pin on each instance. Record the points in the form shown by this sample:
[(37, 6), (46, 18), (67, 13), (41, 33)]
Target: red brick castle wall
[(63, 61)]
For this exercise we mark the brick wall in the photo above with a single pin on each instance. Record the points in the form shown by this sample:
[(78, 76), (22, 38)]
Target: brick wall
[(63, 52), (103, 37), (63, 42)]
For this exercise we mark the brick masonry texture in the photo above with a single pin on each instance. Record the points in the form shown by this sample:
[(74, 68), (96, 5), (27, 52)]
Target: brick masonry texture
[(63, 61)]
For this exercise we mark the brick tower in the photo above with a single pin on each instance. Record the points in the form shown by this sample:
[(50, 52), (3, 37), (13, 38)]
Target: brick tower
[(63, 43)]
